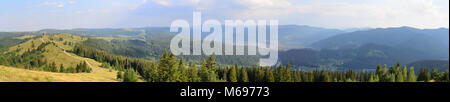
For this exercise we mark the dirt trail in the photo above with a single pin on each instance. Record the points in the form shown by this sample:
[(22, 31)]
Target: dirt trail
[(77, 57)]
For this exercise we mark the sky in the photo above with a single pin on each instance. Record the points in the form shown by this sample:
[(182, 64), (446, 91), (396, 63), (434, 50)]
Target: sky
[(31, 15)]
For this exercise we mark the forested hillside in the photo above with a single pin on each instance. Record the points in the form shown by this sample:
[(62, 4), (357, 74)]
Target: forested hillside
[(363, 57)]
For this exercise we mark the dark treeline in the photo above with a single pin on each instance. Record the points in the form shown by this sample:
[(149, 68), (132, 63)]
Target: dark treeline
[(34, 60), (173, 69)]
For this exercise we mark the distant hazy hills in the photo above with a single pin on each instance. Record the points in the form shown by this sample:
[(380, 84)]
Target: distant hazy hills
[(366, 48), (432, 42), (290, 36), (294, 36)]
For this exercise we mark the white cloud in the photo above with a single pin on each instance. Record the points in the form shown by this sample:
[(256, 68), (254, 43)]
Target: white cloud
[(325, 13), (258, 4), (382, 13), (180, 2), (93, 11), (162, 2), (194, 1), (341, 14), (58, 4)]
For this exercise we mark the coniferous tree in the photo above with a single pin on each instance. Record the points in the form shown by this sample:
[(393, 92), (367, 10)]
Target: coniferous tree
[(225, 74), (326, 78), (211, 66), (391, 77), (399, 77), (232, 75), (446, 76), (269, 76), (435, 75), (384, 76), (78, 68), (412, 75), (371, 76), (183, 75), (164, 67), (424, 75), (204, 72), (287, 74), (130, 76), (193, 74), (53, 67), (119, 75), (384, 70), (405, 74), (244, 76), (61, 68), (174, 72), (280, 77), (152, 73)]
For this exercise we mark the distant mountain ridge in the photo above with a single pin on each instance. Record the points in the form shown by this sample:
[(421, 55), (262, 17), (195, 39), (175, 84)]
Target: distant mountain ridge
[(290, 36), (433, 42), (301, 36)]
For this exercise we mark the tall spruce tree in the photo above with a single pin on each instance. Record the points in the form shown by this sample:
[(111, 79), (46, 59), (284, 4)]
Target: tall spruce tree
[(269, 76), (244, 75), (130, 76), (405, 74), (183, 75), (61, 68), (233, 75), (193, 74), (204, 72), (174, 72), (412, 75)]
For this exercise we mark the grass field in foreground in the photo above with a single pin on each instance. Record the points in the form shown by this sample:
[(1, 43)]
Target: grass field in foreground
[(10, 74)]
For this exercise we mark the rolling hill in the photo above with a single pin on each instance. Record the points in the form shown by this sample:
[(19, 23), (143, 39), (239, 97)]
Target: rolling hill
[(54, 52), (52, 49)]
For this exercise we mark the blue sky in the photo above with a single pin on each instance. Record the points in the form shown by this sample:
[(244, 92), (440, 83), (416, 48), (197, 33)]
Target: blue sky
[(29, 15)]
